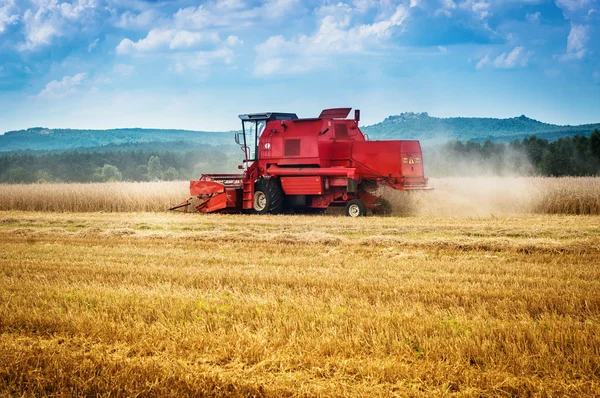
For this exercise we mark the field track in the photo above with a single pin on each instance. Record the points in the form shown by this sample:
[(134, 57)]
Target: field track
[(123, 304)]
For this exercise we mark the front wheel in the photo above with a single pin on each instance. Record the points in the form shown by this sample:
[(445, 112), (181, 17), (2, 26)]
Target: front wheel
[(268, 197), (356, 208)]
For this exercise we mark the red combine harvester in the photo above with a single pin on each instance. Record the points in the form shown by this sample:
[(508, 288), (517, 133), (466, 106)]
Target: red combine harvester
[(307, 165)]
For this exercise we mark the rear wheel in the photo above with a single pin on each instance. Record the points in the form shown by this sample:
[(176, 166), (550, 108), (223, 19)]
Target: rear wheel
[(268, 196), (356, 208)]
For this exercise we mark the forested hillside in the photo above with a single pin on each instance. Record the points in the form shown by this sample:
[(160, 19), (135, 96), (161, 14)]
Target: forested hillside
[(421, 126), (40, 138)]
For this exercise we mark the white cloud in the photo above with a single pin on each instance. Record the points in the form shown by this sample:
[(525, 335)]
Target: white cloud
[(279, 8), (576, 42), (481, 9), (230, 4), (335, 35), (93, 45), (62, 88), (534, 17), (517, 57), (233, 41), (203, 59), (596, 77), (51, 19), (166, 39), (124, 70), (8, 15), (132, 21), (447, 7), (572, 5), (232, 14), (483, 62)]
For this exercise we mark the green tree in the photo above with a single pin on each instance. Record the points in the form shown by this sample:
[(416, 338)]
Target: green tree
[(18, 174), (42, 176), (109, 173), (171, 174), (595, 143), (154, 168)]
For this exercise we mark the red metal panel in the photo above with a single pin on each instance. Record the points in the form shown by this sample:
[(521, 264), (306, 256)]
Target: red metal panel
[(378, 158), (338, 182), (217, 202), (205, 187), (309, 185), (315, 171), (337, 113)]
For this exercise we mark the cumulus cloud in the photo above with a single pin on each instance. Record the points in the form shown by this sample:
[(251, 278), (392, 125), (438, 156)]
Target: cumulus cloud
[(51, 19), (336, 34), (518, 57), (534, 17), (573, 5), (230, 4), (62, 88), (576, 42), (166, 39), (446, 9), (203, 59), (135, 21), (479, 8), (231, 13), (8, 15)]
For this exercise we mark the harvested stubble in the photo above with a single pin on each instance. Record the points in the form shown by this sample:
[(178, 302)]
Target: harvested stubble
[(230, 305), (465, 196)]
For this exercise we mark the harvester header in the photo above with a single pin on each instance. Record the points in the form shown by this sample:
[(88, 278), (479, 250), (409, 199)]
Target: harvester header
[(307, 165)]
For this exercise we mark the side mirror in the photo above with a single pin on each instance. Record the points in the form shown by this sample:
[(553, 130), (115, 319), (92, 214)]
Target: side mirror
[(236, 137)]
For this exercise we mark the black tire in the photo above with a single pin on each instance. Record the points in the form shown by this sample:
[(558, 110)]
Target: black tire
[(268, 196), (356, 208)]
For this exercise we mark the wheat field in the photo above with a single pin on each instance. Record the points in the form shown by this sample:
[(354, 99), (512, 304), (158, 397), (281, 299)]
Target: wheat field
[(149, 304), (459, 196)]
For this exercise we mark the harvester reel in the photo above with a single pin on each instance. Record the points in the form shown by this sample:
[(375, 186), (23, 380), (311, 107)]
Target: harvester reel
[(356, 208), (268, 196)]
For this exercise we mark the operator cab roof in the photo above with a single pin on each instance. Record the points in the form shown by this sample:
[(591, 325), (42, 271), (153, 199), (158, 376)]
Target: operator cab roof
[(332, 113), (269, 116)]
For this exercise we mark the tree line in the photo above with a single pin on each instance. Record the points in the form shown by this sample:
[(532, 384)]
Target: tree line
[(83, 166), (568, 156)]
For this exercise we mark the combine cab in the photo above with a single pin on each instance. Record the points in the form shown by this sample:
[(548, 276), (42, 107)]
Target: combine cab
[(307, 165)]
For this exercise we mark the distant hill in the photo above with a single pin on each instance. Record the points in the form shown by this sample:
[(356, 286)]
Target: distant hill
[(404, 126), (39, 138), (421, 126)]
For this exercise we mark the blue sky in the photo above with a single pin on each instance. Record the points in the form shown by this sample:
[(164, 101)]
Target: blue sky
[(197, 65)]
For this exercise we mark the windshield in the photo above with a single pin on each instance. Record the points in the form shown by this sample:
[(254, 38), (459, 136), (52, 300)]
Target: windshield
[(252, 132)]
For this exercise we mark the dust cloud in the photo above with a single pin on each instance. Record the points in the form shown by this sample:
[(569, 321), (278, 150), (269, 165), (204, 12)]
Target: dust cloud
[(488, 196)]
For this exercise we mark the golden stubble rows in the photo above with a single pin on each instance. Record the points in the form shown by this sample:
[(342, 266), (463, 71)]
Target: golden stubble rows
[(140, 303)]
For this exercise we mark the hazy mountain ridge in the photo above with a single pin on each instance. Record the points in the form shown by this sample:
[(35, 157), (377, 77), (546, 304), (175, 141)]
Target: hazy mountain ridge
[(408, 125), (40, 138)]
